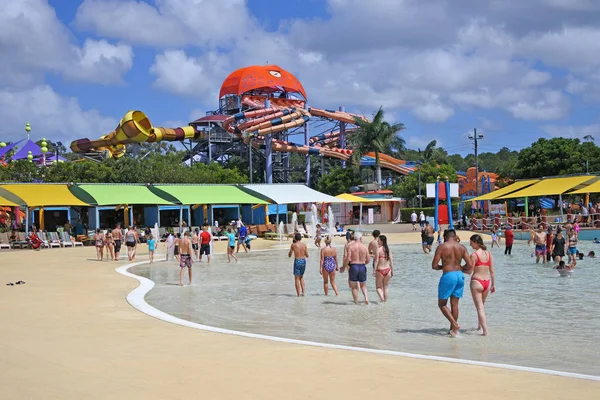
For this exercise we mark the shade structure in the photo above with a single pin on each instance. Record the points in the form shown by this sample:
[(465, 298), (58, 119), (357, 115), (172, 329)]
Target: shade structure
[(591, 188), (291, 194), (505, 190), (9, 147), (264, 77), (207, 194), (353, 198), (551, 186), (40, 195), (25, 148), (112, 195), (6, 202)]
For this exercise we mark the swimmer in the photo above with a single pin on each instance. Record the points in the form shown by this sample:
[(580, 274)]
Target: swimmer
[(349, 239), (495, 237), (300, 252), (427, 237), (185, 257), (509, 240), (384, 269), (176, 246), (117, 235), (539, 239), (452, 282), (231, 237), (99, 241), (205, 239), (329, 264), (195, 243), (572, 240), (480, 280), (110, 245), (357, 258), (318, 236), (374, 248), (565, 270)]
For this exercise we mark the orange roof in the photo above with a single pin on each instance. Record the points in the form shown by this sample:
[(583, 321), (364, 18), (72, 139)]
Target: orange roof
[(260, 77)]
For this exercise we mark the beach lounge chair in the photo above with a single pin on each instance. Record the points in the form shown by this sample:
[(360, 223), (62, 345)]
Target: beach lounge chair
[(46, 241), (20, 242), (4, 242), (53, 237), (67, 239)]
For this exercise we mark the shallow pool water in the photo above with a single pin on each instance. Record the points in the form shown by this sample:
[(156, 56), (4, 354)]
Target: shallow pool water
[(535, 318)]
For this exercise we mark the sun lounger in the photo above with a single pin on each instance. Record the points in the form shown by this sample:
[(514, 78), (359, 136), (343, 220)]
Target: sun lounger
[(46, 241), (20, 242), (4, 242), (67, 241), (53, 237)]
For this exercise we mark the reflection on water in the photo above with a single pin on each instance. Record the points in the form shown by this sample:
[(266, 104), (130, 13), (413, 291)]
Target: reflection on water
[(535, 318)]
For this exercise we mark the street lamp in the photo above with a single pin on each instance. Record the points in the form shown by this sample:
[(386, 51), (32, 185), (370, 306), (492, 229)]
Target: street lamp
[(419, 175)]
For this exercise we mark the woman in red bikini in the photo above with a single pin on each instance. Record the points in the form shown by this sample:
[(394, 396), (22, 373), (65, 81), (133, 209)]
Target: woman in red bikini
[(483, 279), (384, 270)]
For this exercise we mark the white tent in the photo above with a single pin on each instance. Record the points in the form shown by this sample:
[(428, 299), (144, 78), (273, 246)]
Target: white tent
[(291, 194)]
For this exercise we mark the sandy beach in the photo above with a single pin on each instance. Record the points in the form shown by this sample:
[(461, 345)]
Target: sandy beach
[(69, 333)]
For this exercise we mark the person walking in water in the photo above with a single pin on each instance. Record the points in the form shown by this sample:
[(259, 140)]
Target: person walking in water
[(384, 269), (329, 265), (509, 239), (195, 243), (572, 245), (558, 246), (357, 259), (205, 239), (151, 247), (452, 283), (231, 238), (300, 252), (539, 239), (185, 257), (374, 248), (483, 280), (318, 236)]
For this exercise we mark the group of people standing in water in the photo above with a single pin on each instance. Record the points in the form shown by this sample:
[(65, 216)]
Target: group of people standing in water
[(355, 259)]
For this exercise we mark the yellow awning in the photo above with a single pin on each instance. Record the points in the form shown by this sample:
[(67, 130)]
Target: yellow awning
[(551, 186), (353, 198), (40, 194), (5, 202), (593, 188), (505, 190)]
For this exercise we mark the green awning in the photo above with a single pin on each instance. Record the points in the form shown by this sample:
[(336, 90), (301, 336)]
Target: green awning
[(207, 194), (112, 195)]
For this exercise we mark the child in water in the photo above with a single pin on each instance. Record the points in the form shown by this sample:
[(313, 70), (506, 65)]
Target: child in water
[(151, 246)]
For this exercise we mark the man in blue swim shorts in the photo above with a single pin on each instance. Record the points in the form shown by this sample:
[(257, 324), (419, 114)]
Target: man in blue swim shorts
[(452, 282), (300, 252), (356, 258)]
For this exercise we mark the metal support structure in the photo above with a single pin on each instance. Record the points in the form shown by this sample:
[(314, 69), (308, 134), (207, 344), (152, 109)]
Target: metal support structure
[(250, 160), (449, 200), (180, 217), (342, 136), (474, 138), (307, 142), (269, 151), (420, 196)]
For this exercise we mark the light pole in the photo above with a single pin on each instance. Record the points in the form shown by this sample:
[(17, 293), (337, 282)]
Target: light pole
[(419, 163), (474, 137)]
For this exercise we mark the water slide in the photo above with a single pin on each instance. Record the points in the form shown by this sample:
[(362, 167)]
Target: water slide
[(250, 126)]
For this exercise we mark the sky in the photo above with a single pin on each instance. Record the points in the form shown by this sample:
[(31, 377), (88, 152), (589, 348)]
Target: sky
[(514, 70)]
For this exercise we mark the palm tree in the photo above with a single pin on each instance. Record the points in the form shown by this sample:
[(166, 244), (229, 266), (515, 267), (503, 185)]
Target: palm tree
[(428, 154), (375, 136)]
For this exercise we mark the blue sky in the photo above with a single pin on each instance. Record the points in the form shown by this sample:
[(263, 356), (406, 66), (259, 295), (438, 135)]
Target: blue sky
[(516, 72)]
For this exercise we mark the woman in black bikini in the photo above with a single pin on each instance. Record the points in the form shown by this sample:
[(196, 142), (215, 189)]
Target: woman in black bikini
[(483, 278), (384, 269), (99, 242)]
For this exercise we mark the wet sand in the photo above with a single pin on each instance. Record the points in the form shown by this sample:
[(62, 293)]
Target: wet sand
[(69, 333)]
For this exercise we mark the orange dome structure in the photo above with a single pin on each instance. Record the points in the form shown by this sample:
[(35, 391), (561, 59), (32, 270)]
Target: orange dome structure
[(269, 78)]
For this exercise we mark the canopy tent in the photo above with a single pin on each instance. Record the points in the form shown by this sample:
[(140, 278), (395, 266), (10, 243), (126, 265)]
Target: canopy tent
[(290, 194), (9, 147), (505, 190), (551, 186), (592, 188), (119, 194), (6, 202), (207, 194), (24, 150), (40, 195), (353, 198)]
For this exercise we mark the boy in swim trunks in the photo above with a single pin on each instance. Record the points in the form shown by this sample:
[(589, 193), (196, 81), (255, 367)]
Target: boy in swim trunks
[(452, 282), (185, 257), (300, 252), (539, 239)]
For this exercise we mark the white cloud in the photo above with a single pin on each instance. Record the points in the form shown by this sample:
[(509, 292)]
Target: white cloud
[(573, 131), (51, 115), (33, 42), (171, 23)]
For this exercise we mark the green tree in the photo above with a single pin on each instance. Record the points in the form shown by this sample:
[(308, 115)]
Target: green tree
[(457, 162), (551, 157), (339, 180), (408, 188), (374, 136)]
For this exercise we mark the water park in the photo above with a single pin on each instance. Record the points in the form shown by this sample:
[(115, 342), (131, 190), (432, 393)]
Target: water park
[(238, 302)]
